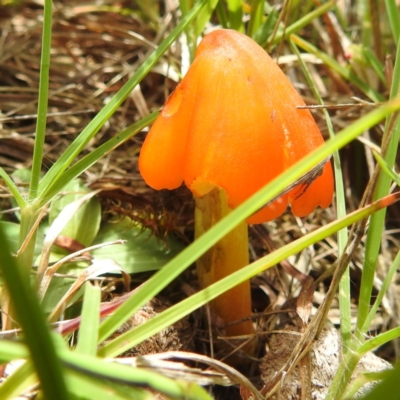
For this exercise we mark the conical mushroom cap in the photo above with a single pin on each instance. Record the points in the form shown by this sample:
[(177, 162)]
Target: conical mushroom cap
[(233, 122)]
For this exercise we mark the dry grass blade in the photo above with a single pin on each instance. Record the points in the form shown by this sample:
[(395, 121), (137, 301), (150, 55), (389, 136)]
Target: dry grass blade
[(222, 373)]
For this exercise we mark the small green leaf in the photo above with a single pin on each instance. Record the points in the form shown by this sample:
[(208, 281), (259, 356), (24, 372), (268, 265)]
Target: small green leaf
[(57, 289), (142, 251), (21, 175), (265, 30), (11, 230), (84, 224)]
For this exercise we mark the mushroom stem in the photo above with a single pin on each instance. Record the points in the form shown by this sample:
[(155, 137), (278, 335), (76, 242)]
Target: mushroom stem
[(228, 255)]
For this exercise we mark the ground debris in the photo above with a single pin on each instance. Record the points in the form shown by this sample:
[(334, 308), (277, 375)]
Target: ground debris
[(325, 358)]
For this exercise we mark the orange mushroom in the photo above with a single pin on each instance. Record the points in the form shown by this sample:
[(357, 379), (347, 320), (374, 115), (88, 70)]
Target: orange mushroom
[(233, 123), (230, 127)]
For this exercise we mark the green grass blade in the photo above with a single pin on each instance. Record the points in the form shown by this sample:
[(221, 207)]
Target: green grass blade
[(221, 14), (363, 12), (375, 64), (385, 285), (98, 121), (170, 271), (19, 382), (393, 176), (204, 17), (33, 322), (42, 101), (189, 29), (394, 19), (13, 188), (88, 329), (388, 389), (342, 376), (379, 340), (335, 66), (361, 380), (10, 350), (372, 245), (87, 161), (256, 15), (261, 36), (124, 374), (304, 21), (235, 15), (84, 386)]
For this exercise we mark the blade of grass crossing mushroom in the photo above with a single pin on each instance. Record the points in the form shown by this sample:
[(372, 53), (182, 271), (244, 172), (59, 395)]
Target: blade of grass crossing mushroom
[(164, 276), (306, 180), (191, 112)]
